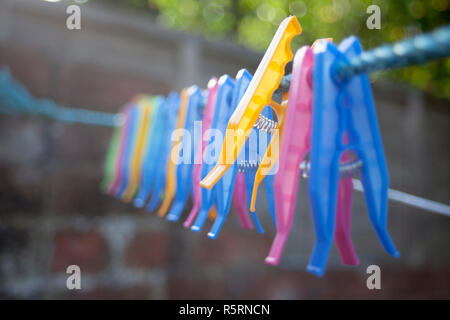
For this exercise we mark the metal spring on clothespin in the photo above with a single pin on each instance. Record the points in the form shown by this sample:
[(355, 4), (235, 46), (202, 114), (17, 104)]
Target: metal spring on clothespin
[(248, 165), (265, 124)]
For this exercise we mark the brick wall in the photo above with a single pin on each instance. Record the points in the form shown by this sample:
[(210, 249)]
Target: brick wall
[(52, 213)]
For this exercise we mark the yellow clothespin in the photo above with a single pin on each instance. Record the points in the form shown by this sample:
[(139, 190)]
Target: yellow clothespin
[(259, 94), (170, 174), (272, 153)]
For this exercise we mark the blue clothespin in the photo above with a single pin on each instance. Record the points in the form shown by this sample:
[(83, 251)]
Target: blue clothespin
[(189, 145), (168, 119), (256, 152), (225, 186), (222, 113), (249, 157), (131, 138), (343, 110), (149, 165)]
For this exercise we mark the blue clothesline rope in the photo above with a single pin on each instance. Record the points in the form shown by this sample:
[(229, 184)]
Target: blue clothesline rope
[(416, 50), (15, 99)]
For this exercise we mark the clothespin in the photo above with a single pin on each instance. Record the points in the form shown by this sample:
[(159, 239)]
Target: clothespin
[(112, 156), (171, 166), (189, 145), (206, 125), (221, 114), (343, 119), (151, 154), (224, 188), (129, 149), (261, 132), (169, 119), (137, 155), (232, 190), (131, 114), (256, 97), (295, 144)]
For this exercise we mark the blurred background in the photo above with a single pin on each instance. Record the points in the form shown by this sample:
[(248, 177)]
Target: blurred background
[(52, 213)]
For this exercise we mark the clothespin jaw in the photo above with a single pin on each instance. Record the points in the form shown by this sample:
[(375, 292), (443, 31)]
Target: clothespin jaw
[(189, 146), (171, 167), (257, 96), (169, 119), (221, 115), (206, 124), (343, 119), (152, 146)]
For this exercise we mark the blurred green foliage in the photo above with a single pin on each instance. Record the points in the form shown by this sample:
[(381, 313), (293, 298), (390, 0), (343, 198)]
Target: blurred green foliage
[(252, 24)]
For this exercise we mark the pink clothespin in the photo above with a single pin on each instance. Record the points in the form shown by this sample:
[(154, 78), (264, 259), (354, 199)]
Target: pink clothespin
[(295, 144), (207, 119), (342, 230)]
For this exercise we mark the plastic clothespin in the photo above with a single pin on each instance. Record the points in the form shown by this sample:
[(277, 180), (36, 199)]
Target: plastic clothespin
[(232, 187), (137, 156), (295, 144), (240, 201), (257, 96), (224, 188), (171, 167), (221, 114), (206, 124), (131, 114), (254, 150), (151, 154), (112, 156), (344, 119), (130, 145), (248, 157), (169, 119), (189, 146)]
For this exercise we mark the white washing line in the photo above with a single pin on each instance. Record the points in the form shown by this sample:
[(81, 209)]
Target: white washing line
[(411, 200)]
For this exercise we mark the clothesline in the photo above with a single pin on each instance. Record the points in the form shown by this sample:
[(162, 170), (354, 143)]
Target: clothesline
[(15, 99)]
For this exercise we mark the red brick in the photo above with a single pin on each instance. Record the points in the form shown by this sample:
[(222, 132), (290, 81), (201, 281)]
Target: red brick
[(147, 250), (88, 250)]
